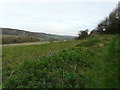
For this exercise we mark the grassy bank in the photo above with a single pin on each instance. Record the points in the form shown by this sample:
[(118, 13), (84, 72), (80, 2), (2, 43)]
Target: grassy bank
[(14, 55), (89, 63)]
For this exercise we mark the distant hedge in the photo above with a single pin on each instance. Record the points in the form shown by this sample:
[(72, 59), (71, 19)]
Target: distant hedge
[(17, 39)]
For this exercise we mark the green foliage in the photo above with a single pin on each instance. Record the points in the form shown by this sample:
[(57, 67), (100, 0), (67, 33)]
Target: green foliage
[(111, 24), (82, 34), (87, 64), (88, 44), (43, 72)]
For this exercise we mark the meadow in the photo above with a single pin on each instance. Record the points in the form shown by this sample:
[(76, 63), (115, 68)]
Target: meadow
[(88, 63)]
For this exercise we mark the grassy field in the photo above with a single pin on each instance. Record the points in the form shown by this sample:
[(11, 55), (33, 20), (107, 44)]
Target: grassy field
[(12, 56), (88, 63), (0, 67)]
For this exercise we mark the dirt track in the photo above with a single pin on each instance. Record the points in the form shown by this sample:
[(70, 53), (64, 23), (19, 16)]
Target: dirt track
[(25, 44)]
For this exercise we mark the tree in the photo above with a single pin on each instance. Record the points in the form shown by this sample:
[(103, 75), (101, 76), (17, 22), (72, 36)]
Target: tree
[(111, 24), (82, 34), (52, 40)]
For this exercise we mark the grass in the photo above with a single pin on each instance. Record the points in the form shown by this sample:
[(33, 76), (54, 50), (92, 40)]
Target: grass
[(89, 63), (14, 55), (0, 67), (105, 68)]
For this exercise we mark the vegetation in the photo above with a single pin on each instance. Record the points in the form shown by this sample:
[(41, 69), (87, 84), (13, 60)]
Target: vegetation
[(12, 56), (91, 62), (72, 64), (52, 40), (111, 24), (8, 39), (40, 36), (0, 67), (82, 34)]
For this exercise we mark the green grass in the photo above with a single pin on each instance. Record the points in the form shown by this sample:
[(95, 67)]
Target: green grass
[(0, 67), (88, 63), (12, 56)]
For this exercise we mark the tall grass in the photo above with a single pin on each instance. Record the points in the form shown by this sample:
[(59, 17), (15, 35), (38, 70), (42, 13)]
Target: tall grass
[(75, 64)]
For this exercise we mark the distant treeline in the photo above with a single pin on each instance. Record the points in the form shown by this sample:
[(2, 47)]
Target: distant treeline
[(8, 39), (42, 36)]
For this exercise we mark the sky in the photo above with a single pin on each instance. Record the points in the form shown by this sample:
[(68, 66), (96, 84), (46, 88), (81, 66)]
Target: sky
[(62, 17)]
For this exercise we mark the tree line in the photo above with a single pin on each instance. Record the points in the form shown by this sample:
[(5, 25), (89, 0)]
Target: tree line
[(110, 25)]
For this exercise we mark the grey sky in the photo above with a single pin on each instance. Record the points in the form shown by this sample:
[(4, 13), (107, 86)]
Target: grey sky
[(63, 18)]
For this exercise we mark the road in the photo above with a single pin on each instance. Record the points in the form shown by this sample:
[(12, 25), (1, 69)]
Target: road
[(25, 44)]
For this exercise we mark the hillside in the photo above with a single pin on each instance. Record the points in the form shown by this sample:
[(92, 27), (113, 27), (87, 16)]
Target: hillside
[(42, 36), (88, 63)]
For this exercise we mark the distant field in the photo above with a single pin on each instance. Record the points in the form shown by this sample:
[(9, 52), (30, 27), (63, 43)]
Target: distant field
[(88, 63), (10, 39)]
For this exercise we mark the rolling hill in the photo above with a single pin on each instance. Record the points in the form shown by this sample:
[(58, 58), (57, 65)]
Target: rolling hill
[(42, 36)]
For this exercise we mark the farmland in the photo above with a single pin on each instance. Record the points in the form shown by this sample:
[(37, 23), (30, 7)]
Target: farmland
[(10, 36), (88, 63)]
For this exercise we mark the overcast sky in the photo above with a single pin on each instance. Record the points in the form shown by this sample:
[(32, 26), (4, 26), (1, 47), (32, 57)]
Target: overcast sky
[(62, 17)]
